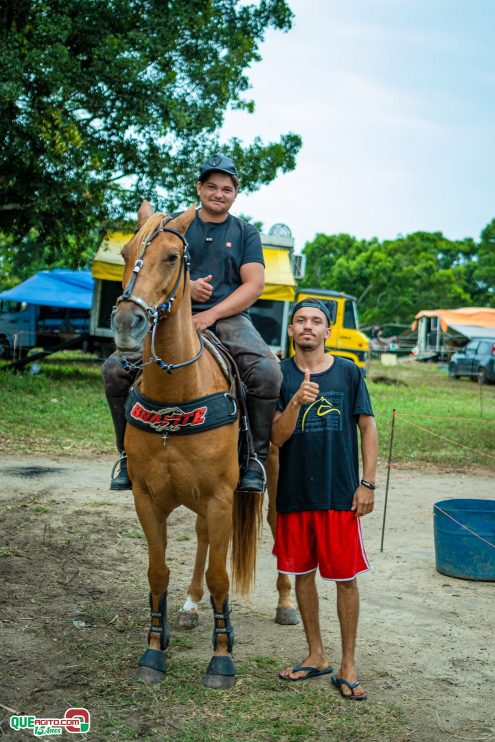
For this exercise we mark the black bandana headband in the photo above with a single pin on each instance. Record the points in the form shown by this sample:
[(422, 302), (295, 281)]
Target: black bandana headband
[(312, 304)]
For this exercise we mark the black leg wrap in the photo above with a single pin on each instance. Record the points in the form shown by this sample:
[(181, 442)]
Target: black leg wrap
[(227, 629), (221, 666), (162, 628), (154, 659)]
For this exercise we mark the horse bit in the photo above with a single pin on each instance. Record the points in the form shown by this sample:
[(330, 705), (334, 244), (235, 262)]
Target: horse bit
[(155, 314)]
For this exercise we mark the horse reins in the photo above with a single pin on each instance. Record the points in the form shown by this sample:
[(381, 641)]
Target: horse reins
[(155, 314)]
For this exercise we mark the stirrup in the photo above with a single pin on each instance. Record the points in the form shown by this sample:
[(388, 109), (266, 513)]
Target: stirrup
[(120, 481), (122, 457)]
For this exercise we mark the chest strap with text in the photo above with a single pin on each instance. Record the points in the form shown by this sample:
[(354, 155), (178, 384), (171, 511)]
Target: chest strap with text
[(183, 418)]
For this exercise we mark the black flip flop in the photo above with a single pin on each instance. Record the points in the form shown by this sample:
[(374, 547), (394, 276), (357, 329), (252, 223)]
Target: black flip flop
[(312, 672), (338, 682)]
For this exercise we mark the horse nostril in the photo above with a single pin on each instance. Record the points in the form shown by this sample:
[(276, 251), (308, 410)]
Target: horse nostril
[(138, 322)]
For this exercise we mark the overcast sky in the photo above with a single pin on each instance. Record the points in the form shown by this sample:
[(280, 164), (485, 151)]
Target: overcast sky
[(395, 102)]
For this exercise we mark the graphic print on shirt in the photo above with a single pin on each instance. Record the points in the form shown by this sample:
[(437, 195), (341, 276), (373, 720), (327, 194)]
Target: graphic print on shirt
[(326, 413)]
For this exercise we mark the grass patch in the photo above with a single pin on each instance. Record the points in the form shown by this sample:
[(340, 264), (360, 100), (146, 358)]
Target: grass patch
[(260, 708), (64, 411), (426, 390), (181, 642), (131, 533), (104, 504)]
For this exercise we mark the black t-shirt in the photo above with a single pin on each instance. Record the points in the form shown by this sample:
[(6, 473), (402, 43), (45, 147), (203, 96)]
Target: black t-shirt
[(319, 466), (221, 250)]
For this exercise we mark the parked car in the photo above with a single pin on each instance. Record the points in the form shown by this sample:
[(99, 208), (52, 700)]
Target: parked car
[(476, 359)]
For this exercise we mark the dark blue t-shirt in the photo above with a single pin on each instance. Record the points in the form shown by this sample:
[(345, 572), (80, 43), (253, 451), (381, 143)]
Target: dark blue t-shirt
[(221, 250), (319, 466)]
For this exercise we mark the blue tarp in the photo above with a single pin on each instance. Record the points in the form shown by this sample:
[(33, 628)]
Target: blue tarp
[(56, 288)]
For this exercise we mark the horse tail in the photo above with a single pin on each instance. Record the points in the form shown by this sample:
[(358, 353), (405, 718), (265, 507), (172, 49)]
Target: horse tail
[(247, 518)]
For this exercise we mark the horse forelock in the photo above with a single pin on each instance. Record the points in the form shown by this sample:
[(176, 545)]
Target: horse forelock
[(149, 227)]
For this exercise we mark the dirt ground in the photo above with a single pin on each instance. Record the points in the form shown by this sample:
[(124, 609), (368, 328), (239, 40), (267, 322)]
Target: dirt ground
[(425, 640)]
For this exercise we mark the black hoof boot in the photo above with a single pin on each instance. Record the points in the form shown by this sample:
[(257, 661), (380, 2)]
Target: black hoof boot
[(151, 667), (121, 480), (220, 673)]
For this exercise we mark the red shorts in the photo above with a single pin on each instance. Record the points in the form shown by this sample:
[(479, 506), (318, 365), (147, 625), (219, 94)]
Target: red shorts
[(328, 539)]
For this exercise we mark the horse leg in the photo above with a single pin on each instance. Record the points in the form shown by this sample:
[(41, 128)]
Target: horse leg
[(151, 666), (221, 670), (285, 614), (188, 616)]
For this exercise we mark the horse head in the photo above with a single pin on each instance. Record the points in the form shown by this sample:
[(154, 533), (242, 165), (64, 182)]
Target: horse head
[(155, 275)]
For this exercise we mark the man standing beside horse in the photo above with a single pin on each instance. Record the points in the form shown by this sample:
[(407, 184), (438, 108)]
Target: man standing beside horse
[(320, 497), (227, 277)]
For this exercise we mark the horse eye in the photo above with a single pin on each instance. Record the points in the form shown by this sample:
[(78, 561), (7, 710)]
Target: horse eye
[(172, 259)]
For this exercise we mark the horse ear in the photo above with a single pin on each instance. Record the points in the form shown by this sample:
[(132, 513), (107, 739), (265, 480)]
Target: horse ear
[(182, 222), (145, 211)]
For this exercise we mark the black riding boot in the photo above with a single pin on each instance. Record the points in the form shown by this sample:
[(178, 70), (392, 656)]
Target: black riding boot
[(117, 407), (121, 480), (261, 412)]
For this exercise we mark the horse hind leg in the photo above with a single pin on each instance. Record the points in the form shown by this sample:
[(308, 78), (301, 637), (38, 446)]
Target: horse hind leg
[(285, 614), (188, 616)]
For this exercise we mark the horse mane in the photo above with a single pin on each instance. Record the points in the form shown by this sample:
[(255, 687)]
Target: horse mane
[(149, 227)]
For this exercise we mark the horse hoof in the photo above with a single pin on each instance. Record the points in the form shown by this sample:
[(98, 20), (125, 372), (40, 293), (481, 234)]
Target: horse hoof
[(286, 617), (186, 620), (151, 667), (219, 682), (148, 675), (220, 673)]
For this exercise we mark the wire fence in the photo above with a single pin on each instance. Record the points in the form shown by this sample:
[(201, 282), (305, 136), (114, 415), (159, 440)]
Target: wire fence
[(404, 418)]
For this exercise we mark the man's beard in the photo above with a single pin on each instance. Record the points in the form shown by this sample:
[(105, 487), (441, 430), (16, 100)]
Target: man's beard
[(307, 343)]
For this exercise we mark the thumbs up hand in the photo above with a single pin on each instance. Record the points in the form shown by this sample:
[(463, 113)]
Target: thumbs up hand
[(201, 289), (308, 391)]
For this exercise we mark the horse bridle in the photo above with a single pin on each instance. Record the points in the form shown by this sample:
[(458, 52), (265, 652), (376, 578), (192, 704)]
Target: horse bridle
[(156, 313)]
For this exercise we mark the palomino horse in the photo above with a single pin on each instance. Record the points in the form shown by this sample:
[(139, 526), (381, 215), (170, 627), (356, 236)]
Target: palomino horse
[(181, 388), (285, 613)]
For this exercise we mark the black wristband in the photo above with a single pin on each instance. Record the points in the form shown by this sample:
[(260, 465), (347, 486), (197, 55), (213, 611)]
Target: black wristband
[(369, 485)]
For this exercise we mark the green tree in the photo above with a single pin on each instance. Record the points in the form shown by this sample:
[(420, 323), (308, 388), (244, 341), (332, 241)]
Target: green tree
[(484, 267), (394, 279), (104, 102)]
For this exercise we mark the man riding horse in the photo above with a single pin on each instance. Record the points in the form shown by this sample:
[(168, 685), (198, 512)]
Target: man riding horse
[(227, 277)]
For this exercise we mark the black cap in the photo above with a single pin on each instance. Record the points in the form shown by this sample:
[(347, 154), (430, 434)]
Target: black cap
[(219, 164), (313, 304)]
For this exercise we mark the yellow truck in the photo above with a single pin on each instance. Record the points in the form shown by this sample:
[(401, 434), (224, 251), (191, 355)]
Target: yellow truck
[(270, 314)]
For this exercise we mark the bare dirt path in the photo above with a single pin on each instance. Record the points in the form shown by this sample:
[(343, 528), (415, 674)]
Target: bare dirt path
[(426, 640)]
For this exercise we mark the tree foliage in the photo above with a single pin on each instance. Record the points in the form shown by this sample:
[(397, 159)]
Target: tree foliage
[(104, 102), (483, 277), (394, 279)]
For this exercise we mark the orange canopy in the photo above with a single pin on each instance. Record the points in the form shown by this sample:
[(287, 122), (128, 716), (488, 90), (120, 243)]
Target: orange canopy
[(466, 316)]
